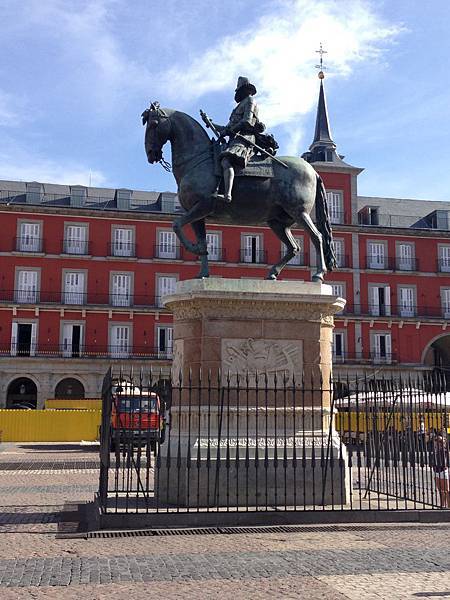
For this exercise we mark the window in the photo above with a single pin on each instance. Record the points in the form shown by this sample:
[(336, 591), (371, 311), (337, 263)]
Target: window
[(23, 339), (406, 300), (298, 259), (445, 299), (338, 290), (72, 340), (74, 288), (335, 207), (379, 300), (251, 249), (405, 254), (29, 237), (122, 242), (338, 247), (75, 241), (444, 259), (381, 347), (338, 346), (165, 342), (119, 343), (121, 289), (167, 245), (376, 258), (27, 287), (213, 245), (166, 284), (372, 215)]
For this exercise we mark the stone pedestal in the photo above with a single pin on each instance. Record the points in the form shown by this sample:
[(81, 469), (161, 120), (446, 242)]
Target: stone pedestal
[(260, 431)]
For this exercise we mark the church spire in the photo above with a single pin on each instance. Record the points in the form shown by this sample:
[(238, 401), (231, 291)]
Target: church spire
[(323, 148)]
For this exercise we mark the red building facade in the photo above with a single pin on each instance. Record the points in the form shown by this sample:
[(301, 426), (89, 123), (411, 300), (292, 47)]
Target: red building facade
[(84, 270)]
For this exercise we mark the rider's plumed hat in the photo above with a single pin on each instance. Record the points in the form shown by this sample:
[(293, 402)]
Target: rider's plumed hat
[(244, 82)]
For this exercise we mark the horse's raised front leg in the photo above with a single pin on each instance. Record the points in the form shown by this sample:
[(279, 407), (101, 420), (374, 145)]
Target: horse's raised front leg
[(199, 211), (283, 232), (200, 232), (316, 237)]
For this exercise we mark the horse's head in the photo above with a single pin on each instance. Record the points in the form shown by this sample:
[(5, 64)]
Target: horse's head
[(157, 131)]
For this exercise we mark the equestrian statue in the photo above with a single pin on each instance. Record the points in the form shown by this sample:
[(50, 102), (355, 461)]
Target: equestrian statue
[(239, 182)]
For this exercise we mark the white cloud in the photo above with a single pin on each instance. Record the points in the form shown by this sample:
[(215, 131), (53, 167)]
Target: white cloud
[(24, 167), (277, 53)]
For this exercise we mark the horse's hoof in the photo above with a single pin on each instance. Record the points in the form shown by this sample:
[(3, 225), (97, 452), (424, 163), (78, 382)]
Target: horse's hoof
[(271, 277), (317, 278), (200, 276)]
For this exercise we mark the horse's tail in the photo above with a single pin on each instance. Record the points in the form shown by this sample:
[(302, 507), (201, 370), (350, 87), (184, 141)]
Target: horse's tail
[(323, 224)]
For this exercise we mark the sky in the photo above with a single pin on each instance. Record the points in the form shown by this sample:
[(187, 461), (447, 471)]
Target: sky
[(75, 76)]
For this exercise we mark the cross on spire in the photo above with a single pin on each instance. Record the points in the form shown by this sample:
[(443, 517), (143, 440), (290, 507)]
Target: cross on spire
[(320, 66)]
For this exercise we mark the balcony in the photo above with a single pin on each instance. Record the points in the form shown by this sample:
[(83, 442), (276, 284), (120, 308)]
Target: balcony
[(73, 298), (88, 352), (75, 247), (443, 265), (406, 264), (28, 243), (402, 311), (258, 257), (300, 260), (361, 358), (168, 251), (122, 249)]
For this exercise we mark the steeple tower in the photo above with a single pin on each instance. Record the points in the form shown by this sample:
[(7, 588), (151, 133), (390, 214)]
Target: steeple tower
[(323, 148)]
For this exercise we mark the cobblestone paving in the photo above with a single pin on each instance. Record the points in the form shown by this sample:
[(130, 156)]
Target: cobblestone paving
[(379, 562)]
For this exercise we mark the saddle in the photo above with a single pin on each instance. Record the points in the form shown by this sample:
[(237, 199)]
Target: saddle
[(258, 166)]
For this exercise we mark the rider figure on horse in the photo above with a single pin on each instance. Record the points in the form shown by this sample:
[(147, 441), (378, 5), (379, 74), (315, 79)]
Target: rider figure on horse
[(243, 120)]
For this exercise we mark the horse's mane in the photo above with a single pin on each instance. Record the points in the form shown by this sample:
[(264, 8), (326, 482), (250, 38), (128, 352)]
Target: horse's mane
[(170, 112)]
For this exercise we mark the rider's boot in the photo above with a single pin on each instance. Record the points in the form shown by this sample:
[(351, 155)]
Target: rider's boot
[(228, 179)]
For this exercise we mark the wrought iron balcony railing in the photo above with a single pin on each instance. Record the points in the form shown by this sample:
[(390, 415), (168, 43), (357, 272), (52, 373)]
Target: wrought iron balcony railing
[(122, 249), (253, 256), (27, 243), (75, 246), (92, 351)]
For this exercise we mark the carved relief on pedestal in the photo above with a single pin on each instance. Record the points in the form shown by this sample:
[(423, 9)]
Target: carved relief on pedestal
[(283, 358)]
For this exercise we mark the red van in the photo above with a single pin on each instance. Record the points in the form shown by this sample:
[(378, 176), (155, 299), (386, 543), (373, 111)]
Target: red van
[(136, 417)]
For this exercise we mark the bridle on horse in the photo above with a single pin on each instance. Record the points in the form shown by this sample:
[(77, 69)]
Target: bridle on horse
[(160, 114), (155, 107)]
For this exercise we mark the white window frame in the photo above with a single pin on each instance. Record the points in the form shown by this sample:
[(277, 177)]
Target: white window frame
[(117, 348), (31, 292), (119, 294), (339, 358), (445, 302), (335, 201), (66, 340), (374, 299), (77, 245), (377, 259), (444, 258), (122, 247), (404, 262), (168, 245), (159, 293), (14, 348), (31, 240), (249, 252), (167, 350), (213, 243), (339, 250), (375, 342), (75, 296), (406, 306)]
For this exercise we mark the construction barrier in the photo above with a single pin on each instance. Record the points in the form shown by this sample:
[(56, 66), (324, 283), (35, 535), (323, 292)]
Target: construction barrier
[(74, 403), (49, 425)]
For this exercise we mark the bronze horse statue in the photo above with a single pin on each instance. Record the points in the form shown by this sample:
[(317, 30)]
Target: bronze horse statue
[(280, 201)]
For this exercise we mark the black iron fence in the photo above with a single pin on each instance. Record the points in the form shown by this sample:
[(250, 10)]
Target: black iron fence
[(255, 443)]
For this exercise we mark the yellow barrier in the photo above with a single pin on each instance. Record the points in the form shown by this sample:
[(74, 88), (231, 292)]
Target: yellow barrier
[(49, 425), (362, 422), (74, 403)]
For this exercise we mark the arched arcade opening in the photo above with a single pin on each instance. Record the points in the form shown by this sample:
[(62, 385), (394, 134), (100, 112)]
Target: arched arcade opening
[(22, 393), (69, 388)]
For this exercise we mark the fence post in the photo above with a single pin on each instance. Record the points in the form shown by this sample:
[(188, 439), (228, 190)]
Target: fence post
[(105, 431)]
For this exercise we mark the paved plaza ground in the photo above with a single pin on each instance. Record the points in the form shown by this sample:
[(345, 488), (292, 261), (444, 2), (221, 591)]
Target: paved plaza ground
[(41, 483)]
